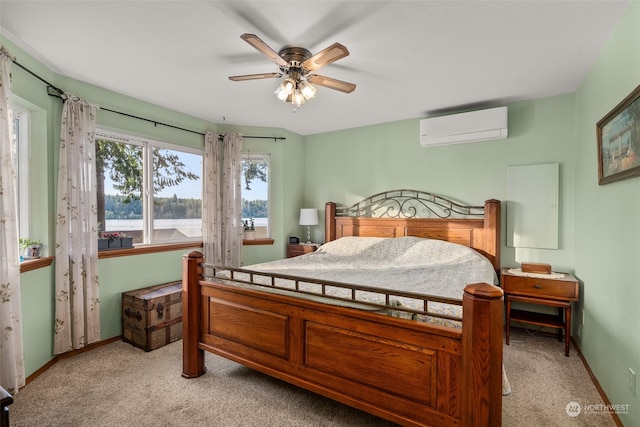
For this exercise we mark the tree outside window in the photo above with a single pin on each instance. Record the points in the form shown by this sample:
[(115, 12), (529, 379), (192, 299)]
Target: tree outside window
[(255, 192), (148, 190)]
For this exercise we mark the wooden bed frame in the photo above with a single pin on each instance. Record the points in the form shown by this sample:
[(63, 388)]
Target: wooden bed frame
[(412, 373)]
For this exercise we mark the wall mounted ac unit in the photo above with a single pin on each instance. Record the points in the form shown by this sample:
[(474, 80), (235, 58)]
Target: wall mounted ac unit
[(474, 126)]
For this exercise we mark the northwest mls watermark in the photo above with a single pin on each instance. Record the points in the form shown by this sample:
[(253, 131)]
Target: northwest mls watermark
[(574, 408)]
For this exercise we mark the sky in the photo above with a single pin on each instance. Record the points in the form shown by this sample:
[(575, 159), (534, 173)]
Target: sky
[(192, 189)]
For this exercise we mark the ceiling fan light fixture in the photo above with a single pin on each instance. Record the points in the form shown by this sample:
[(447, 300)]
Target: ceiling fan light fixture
[(297, 98), (295, 91), (285, 89), (307, 89)]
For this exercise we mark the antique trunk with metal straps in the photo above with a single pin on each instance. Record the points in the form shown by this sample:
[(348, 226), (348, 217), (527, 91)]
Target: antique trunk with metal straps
[(152, 317)]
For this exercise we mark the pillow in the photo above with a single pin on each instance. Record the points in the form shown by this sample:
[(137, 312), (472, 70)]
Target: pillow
[(351, 245), (402, 251)]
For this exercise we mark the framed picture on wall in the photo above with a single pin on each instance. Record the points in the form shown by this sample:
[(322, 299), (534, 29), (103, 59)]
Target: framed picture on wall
[(618, 136)]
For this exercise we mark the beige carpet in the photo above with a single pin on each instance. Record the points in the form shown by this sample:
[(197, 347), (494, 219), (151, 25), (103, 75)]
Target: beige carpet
[(127, 387), (544, 381)]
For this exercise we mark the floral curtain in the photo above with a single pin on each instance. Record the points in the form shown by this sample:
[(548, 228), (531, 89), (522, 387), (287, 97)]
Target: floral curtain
[(77, 305), (222, 203), (12, 374), (211, 206)]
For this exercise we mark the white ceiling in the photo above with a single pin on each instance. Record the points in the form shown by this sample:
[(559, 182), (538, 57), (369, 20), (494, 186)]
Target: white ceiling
[(408, 59)]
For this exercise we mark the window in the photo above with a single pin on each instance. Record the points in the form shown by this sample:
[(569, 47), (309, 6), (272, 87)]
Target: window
[(150, 190), (255, 192), (21, 164)]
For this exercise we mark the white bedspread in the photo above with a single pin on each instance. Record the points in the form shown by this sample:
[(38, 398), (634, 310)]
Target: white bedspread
[(412, 264)]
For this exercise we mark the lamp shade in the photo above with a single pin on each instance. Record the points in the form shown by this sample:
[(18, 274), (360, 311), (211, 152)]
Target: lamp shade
[(308, 216)]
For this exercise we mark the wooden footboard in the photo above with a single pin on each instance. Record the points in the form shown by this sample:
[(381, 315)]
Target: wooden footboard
[(408, 372)]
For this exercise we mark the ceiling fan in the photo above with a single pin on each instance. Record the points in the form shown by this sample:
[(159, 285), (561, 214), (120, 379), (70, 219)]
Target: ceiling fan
[(298, 63)]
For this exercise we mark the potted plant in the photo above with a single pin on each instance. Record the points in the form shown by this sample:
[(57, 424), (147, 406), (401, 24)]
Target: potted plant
[(30, 249), (249, 229), (127, 241)]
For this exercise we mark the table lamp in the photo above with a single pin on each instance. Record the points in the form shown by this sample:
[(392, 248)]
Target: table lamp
[(308, 217)]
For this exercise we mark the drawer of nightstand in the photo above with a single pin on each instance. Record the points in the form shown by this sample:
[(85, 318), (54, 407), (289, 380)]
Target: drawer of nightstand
[(297, 250), (543, 288)]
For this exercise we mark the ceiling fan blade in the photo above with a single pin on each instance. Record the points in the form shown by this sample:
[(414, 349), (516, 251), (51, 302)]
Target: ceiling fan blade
[(261, 46), (326, 56), (255, 76), (330, 83)]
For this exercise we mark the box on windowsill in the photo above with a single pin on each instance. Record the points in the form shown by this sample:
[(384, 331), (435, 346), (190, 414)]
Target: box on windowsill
[(115, 243)]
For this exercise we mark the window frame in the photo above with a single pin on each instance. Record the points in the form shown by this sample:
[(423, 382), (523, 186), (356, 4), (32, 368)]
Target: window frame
[(23, 152), (267, 158), (147, 194)]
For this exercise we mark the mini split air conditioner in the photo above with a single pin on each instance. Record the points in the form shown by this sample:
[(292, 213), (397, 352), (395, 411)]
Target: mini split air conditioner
[(474, 126)]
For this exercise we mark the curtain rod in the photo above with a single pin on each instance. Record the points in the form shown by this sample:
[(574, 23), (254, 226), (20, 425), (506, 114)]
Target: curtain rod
[(60, 92)]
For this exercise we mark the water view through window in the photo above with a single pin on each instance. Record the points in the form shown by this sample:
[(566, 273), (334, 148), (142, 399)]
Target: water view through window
[(255, 192)]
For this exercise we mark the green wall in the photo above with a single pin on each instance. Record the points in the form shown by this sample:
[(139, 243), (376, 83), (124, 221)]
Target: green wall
[(607, 223), (37, 293), (388, 156)]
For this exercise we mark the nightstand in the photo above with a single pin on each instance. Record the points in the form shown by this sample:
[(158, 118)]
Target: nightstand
[(301, 249), (557, 290)]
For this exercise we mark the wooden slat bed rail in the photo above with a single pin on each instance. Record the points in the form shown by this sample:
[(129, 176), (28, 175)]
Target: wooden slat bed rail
[(323, 288)]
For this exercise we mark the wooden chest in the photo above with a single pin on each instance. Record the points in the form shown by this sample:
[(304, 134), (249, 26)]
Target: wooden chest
[(152, 317)]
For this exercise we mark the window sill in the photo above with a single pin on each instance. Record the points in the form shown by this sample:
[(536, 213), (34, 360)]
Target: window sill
[(34, 264), (255, 242), (147, 249)]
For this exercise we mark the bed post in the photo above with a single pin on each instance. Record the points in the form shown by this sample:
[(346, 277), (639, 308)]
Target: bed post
[(330, 222), (482, 308), (192, 356), (492, 224)]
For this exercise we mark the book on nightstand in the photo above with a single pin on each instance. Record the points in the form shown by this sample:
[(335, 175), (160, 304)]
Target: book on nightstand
[(533, 267)]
